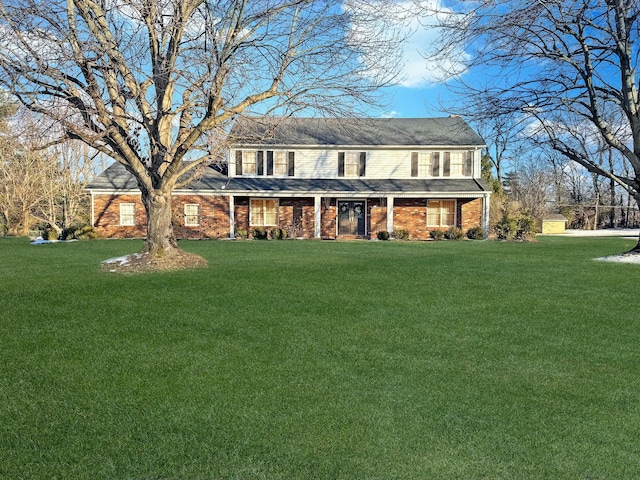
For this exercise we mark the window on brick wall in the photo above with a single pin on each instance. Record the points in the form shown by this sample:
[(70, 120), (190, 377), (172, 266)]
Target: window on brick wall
[(441, 213), (264, 212), (191, 214), (127, 214)]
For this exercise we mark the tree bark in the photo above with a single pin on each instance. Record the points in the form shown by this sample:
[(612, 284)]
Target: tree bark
[(160, 239)]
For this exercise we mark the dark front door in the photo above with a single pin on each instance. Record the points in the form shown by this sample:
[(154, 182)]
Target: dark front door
[(351, 218)]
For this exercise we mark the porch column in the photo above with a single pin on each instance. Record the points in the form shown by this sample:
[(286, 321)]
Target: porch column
[(485, 214), (317, 216), (390, 199), (232, 217)]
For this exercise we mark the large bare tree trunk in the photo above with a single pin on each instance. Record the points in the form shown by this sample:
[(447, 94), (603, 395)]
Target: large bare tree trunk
[(160, 238)]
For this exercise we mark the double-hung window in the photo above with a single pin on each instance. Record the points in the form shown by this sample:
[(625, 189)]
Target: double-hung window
[(191, 214), (352, 164), (425, 164), (264, 212), (127, 214), (265, 162), (441, 213)]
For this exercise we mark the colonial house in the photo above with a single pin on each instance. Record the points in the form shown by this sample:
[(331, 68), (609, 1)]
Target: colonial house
[(320, 178)]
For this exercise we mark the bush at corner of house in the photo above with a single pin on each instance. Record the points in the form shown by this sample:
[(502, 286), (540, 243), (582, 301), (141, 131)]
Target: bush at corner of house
[(383, 235), (475, 233), (454, 233), (278, 233), (241, 233), (436, 234), (400, 234), (259, 233)]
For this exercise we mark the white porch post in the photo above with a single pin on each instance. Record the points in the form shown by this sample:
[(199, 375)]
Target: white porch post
[(485, 214), (317, 216), (232, 217), (390, 213)]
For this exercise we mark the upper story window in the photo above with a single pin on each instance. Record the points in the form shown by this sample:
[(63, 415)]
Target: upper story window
[(445, 164), (265, 162), (352, 164)]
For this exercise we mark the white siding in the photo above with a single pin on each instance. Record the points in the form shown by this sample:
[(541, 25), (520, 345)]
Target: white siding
[(383, 163)]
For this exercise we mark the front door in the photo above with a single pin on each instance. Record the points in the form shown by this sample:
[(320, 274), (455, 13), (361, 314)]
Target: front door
[(351, 218)]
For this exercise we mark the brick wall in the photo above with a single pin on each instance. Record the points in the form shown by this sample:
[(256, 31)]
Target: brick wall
[(470, 214), (411, 214), (214, 217), (107, 216)]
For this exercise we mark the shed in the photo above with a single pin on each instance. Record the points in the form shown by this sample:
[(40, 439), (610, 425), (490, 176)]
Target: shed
[(553, 224)]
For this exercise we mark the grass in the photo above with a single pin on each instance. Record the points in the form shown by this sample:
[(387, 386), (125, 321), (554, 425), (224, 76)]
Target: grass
[(322, 360)]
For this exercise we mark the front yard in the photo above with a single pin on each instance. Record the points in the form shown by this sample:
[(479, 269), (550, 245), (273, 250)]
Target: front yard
[(322, 360)]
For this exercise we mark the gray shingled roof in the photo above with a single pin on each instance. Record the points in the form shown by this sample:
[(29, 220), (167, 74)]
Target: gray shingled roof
[(117, 178), (445, 131)]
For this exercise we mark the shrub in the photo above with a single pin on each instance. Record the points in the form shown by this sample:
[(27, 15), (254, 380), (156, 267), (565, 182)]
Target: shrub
[(454, 233), (436, 234), (241, 233), (278, 233), (506, 228), (400, 234), (259, 233), (475, 233), (383, 235), (50, 234), (525, 227), (79, 232)]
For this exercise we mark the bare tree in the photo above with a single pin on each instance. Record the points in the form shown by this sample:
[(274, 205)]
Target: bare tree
[(147, 81), (569, 64)]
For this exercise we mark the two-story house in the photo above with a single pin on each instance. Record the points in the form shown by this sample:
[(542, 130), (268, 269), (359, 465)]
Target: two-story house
[(322, 178)]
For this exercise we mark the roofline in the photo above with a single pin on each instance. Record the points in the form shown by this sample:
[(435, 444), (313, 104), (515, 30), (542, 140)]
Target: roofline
[(325, 146), (308, 193)]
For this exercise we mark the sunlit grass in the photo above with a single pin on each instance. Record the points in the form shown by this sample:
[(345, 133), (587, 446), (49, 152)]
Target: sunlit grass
[(308, 359)]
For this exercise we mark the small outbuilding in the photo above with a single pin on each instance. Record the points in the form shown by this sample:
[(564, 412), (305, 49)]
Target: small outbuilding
[(553, 224)]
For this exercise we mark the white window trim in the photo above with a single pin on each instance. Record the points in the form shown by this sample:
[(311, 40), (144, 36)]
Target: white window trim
[(455, 212), (425, 167), (124, 215), (188, 215), (264, 224)]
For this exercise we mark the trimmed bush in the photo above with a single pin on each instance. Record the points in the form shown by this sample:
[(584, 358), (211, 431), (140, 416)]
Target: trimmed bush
[(400, 234), (437, 234), (383, 235), (454, 233), (475, 233), (525, 227), (241, 233), (259, 233), (505, 229), (278, 233)]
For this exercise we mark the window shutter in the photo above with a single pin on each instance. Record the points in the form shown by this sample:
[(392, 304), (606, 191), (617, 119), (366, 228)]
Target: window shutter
[(435, 164), (363, 164), (270, 162), (414, 164), (238, 162), (467, 164), (446, 166), (260, 163), (291, 167), (341, 164)]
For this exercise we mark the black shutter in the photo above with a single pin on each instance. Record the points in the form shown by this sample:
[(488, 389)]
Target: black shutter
[(341, 164), (446, 166), (435, 164), (468, 165), (260, 162), (414, 164), (291, 165), (269, 162), (363, 164), (238, 162)]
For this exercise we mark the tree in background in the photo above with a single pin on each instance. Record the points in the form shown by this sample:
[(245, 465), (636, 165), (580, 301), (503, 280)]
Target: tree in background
[(147, 82), (568, 65)]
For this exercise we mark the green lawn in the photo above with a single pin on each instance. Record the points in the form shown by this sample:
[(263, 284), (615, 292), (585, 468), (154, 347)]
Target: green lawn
[(322, 360)]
